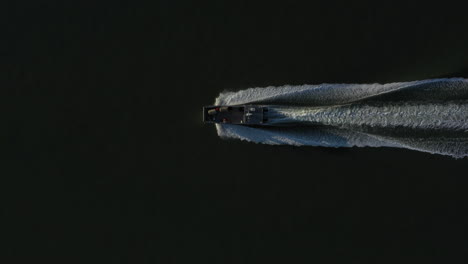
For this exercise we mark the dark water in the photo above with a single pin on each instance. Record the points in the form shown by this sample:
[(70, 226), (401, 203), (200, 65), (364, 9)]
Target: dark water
[(105, 156)]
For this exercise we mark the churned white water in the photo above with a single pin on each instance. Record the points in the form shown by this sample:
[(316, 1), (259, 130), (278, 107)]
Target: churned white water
[(428, 115), (450, 115)]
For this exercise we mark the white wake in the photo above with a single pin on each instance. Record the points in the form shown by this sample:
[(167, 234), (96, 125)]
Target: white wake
[(428, 115)]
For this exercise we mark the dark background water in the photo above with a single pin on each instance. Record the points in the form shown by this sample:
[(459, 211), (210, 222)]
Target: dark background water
[(105, 156)]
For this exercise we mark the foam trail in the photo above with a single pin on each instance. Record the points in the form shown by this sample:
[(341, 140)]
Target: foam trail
[(428, 115), (450, 115), (337, 94)]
